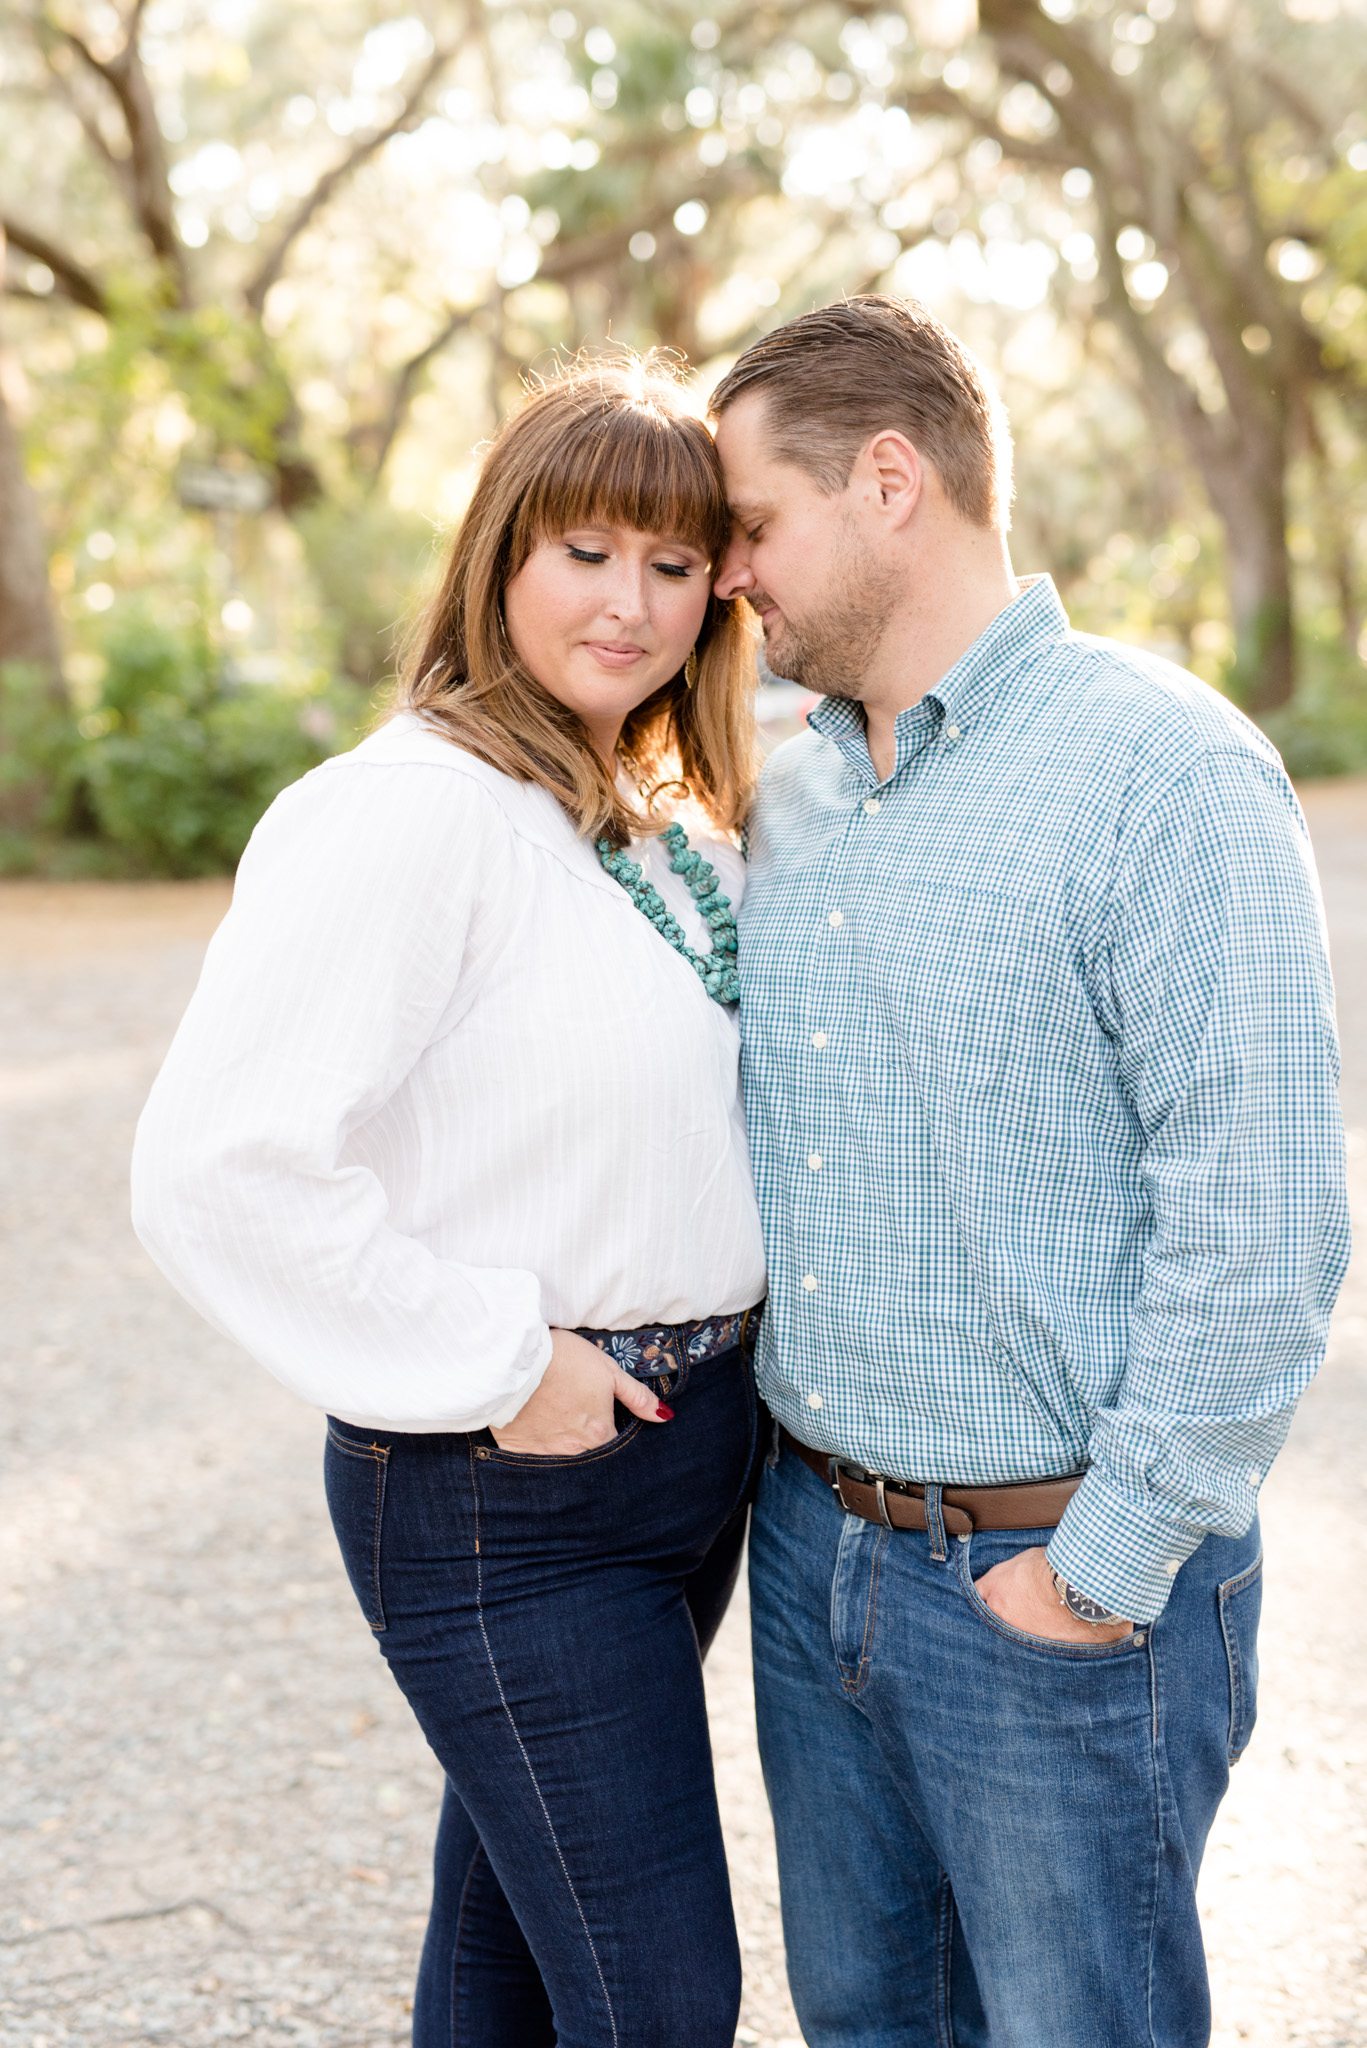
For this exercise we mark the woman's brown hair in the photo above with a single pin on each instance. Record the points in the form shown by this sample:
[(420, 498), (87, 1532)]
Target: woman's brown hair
[(606, 442)]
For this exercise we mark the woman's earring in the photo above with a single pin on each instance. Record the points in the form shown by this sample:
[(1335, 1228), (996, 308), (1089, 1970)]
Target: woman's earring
[(691, 668)]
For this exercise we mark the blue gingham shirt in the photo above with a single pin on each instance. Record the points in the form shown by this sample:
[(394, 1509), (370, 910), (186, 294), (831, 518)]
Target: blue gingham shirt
[(1041, 1083)]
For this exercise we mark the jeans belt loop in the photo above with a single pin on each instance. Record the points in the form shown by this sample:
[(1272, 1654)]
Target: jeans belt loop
[(935, 1523)]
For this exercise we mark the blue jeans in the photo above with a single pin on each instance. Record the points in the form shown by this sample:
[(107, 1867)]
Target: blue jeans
[(985, 1839), (544, 1617)]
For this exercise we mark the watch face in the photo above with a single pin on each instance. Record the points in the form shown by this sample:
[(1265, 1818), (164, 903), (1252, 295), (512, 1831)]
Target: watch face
[(1085, 1609)]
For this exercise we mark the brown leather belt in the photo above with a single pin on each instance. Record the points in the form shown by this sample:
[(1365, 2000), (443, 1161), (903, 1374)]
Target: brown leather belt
[(901, 1503)]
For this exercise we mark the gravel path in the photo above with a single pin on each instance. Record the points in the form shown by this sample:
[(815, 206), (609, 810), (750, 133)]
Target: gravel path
[(215, 1816)]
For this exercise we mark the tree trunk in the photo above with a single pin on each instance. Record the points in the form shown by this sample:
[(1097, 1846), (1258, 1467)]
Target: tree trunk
[(1260, 599), (1249, 498), (28, 631)]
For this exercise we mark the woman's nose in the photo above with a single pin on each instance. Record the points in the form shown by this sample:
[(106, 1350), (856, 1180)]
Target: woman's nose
[(628, 599)]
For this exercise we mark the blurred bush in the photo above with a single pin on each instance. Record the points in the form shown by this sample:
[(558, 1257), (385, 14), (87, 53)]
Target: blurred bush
[(169, 769), (1323, 731), (365, 561), (39, 748)]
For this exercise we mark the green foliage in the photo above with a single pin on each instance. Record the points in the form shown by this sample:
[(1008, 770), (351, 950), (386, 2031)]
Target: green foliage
[(179, 768), (1156, 236), (168, 773), (1323, 731), (38, 744), (367, 563)]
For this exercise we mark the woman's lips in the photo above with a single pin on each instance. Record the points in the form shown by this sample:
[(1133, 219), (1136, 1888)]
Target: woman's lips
[(613, 654)]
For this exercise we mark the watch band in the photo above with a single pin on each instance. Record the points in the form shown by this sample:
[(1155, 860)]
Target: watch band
[(1082, 1607)]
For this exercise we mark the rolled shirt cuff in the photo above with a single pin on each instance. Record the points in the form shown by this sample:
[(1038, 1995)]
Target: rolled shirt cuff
[(536, 1356), (524, 1375), (1117, 1551)]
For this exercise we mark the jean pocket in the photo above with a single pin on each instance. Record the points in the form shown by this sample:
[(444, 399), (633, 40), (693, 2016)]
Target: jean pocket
[(1241, 1602), (493, 1454), (355, 1474), (1050, 1646)]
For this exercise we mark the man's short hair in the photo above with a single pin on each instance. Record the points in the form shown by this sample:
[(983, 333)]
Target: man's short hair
[(833, 379)]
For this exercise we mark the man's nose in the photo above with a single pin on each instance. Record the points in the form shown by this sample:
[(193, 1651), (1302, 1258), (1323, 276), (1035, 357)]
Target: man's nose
[(735, 577)]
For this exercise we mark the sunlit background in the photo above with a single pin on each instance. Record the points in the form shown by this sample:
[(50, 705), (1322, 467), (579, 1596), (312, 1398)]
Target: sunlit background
[(273, 272)]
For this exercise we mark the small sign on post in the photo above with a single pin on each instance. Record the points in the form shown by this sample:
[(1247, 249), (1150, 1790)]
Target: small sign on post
[(208, 487)]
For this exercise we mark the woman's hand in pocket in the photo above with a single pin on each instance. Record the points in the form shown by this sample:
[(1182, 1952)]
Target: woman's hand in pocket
[(571, 1410)]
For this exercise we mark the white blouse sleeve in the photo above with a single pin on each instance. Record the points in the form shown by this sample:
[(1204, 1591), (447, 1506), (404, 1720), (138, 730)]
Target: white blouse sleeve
[(338, 964)]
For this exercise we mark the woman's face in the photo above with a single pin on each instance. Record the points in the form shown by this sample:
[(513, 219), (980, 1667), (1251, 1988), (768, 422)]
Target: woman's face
[(602, 616)]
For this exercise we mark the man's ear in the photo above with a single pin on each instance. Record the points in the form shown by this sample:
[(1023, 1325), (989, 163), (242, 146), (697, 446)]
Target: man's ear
[(893, 468)]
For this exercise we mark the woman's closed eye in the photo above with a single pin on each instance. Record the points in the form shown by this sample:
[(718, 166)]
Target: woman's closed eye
[(677, 570)]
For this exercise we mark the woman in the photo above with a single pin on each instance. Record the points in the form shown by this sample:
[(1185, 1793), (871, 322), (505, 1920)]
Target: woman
[(451, 1140)]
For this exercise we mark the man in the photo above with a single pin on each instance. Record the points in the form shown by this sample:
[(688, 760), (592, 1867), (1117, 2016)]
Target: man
[(1041, 1072)]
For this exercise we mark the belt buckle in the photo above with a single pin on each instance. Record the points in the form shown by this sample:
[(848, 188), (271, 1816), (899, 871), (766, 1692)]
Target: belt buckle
[(837, 1466)]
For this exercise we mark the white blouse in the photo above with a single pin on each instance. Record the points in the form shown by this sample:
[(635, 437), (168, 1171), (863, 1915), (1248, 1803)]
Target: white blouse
[(440, 1087)]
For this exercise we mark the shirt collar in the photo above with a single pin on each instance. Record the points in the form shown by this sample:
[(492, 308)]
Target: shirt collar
[(1034, 619)]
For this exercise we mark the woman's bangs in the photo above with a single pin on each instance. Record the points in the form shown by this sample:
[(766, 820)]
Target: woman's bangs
[(633, 467)]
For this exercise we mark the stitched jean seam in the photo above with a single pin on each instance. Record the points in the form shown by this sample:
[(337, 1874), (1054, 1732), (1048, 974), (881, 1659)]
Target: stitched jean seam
[(944, 1941), (460, 1923), (1238, 1682), (746, 1493), (531, 1773), (856, 1684), (548, 1461), (378, 1455), (1156, 1868)]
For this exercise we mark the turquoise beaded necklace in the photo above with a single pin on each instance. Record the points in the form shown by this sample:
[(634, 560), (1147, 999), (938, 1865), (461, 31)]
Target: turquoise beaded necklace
[(717, 969)]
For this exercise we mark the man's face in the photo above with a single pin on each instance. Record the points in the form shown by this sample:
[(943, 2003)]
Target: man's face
[(801, 559)]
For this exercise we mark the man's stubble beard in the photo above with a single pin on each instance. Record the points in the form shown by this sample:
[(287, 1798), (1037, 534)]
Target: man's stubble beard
[(832, 647)]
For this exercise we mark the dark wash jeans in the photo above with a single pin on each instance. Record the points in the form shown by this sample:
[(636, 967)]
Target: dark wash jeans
[(986, 1839), (544, 1617)]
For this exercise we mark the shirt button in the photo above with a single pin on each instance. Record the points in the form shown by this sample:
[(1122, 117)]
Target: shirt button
[(814, 1161), (951, 732), (1173, 1565), (819, 1039), (809, 1282), (837, 917), (871, 807), (814, 1401)]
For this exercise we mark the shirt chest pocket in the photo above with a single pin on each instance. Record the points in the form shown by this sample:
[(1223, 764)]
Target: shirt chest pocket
[(971, 981)]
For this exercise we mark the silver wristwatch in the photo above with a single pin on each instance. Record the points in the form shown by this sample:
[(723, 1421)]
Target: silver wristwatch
[(1083, 1608)]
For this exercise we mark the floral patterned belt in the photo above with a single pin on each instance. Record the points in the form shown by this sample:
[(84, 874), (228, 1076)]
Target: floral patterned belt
[(646, 1353)]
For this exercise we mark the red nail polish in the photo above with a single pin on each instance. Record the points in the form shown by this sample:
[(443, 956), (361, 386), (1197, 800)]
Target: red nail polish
[(665, 1414)]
